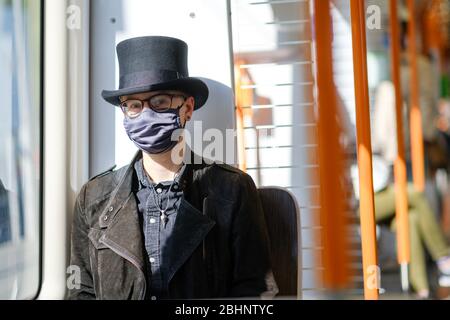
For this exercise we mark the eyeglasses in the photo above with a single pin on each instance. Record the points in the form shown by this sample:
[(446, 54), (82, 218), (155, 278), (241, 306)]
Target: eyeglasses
[(158, 103)]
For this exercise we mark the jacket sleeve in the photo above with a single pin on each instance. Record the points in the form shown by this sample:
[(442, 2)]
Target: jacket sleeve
[(81, 287), (252, 272)]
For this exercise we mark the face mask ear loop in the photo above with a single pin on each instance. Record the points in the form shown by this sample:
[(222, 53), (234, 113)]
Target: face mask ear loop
[(178, 115), (179, 118)]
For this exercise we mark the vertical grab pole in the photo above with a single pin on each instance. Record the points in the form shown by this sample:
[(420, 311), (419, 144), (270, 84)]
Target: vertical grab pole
[(242, 100), (401, 195), (417, 149), (367, 208), (335, 258)]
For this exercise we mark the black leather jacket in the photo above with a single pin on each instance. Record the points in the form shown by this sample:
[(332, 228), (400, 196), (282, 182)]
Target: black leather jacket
[(219, 246)]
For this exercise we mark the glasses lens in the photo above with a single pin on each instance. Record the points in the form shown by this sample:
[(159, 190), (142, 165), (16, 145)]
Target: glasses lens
[(132, 108), (161, 102)]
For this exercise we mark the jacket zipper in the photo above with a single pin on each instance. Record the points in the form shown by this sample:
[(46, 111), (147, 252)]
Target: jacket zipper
[(118, 251)]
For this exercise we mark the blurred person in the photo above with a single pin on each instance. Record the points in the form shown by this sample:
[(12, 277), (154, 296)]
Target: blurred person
[(443, 124), (424, 226), (161, 228), (429, 87), (425, 232)]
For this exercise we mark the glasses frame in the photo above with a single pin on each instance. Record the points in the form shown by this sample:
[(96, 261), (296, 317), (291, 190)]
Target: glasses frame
[(172, 96)]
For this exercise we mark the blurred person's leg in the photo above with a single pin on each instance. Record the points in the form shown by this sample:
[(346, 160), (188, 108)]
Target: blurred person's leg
[(423, 226), (417, 266), (429, 227), (385, 209), (385, 204)]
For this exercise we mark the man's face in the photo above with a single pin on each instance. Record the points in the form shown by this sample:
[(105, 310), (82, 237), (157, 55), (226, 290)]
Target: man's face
[(175, 98)]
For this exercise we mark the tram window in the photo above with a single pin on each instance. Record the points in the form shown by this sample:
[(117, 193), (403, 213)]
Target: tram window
[(20, 131)]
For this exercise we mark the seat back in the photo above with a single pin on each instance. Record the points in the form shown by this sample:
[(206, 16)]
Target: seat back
[(282, 216), (215, 119)]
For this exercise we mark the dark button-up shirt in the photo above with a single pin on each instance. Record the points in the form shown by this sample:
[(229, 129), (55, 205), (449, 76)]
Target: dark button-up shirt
[(155, 230)]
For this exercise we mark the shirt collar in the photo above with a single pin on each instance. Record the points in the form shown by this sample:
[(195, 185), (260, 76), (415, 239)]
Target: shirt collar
[(145, 181)]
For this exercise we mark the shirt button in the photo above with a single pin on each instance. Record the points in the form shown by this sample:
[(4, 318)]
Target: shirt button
[(152, 260), (152, 220), (175, 187), (153, 298), (110, 209), (159, 190)]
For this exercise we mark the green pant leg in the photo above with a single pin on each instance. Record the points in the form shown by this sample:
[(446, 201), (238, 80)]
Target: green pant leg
[(431, 232), (417, 266), (385, 204)]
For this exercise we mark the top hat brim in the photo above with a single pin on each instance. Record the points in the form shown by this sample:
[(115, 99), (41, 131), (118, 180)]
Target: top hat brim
[(192, 86)]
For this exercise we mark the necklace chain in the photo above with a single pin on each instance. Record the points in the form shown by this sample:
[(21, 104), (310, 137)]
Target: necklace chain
[(163, 216)]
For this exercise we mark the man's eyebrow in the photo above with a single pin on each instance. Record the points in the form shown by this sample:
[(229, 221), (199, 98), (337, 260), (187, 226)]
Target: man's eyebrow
[(132, 98), (170, 92)]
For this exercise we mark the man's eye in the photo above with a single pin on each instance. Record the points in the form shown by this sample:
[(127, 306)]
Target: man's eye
[(160, 102), (134, 107)]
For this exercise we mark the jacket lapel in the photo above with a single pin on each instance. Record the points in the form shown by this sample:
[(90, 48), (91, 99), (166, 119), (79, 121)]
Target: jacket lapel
[(191, 225), (190, 229), (121, 220)]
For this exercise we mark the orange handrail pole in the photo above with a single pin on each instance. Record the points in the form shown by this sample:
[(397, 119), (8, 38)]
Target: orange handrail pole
[(401, 195), (416, 130), (332, 214), (242, 100), (367, 208)]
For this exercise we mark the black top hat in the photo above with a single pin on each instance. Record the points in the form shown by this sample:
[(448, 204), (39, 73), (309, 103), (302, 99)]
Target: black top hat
[(152, 64)]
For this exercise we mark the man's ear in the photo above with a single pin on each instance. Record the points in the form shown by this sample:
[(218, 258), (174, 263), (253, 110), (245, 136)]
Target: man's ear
[(190, 104)]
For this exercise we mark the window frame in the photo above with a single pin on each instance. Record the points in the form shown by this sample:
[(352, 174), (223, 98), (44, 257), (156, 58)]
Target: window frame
[(41, 147)]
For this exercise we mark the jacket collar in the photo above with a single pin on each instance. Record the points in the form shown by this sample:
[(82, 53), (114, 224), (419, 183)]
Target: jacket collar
[(123, 233)]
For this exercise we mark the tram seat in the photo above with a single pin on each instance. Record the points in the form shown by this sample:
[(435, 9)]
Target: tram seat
[(282, 216)]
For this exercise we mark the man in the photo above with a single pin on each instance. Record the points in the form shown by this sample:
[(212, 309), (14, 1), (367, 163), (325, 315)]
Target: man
[(160, 229)]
